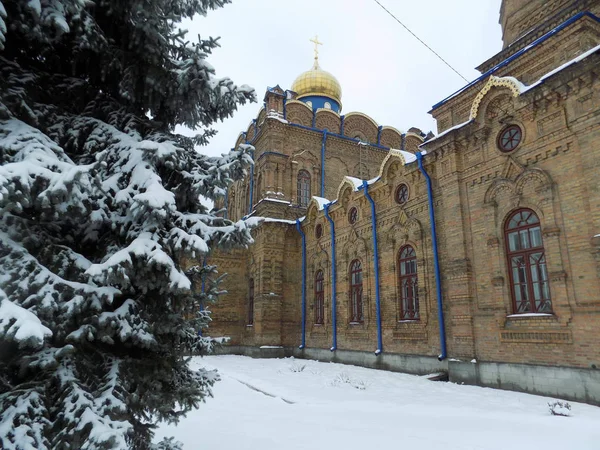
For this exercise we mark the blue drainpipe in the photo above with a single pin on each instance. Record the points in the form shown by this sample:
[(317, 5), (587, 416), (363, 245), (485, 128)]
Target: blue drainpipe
[(379, 134), (285, 106), (436, 263), (376, 256), (342, 124), (333, 280), (323, 163), (299, 228)]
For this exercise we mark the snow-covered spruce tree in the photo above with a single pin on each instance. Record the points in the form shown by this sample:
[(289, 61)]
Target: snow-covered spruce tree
[(99, 206)]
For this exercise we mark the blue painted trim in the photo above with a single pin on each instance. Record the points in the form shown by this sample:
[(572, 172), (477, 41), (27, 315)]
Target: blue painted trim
[(376, 263), (436, 263), (323, 143), (379, 128), (299, 228), (525, 49), (333, 281)]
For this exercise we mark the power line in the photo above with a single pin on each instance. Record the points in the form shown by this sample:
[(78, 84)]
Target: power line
[(418, 39)]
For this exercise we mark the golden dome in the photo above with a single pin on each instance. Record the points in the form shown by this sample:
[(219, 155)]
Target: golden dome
[(318, 82)]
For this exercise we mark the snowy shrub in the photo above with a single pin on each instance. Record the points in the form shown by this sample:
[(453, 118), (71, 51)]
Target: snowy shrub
[(101, 224), (343, 378), (558, 408), (297, 367)]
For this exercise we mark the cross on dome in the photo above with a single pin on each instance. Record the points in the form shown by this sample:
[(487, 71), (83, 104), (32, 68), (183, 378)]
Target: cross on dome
[(315, 40)]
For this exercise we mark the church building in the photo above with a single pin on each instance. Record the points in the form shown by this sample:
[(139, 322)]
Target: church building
[(474, 252)]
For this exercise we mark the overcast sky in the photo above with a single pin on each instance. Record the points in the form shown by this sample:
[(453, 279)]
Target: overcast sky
[(383, 70)]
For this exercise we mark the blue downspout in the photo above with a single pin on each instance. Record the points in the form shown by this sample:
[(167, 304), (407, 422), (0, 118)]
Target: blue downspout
[(342, 124), (333, 280), (436, 263), (285, 107), (379, 128), (323, 163), (299, 228), (376, 256)]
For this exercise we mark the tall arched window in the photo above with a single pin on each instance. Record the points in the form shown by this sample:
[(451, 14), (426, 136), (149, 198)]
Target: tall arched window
[(408, 283), (356, 292), (527, 263), (251, 302), (303, 188), (319, 298)]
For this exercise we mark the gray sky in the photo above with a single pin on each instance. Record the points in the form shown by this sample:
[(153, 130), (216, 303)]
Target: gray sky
[(383, 70)]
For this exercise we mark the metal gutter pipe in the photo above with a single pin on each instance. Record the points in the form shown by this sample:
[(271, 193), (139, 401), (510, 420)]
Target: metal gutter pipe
[(299, 228), (333, 280), (365, 186), (436, 263), (324, 140)]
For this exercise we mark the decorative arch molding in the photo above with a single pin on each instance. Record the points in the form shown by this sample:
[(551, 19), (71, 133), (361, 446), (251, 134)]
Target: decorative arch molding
[(327, 119), (359, 123), (412, 142), (241, 139), (517, 187), (393, 155), (262, 114), (298, 112), (250, 132), (314, 203), (356, 247), (403, 231), (391, 137), (346, 183), (510, 83)]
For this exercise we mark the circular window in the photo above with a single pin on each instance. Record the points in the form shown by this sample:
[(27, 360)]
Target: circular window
[(353, 215), (319, 231), (509, 138), (401, 194)]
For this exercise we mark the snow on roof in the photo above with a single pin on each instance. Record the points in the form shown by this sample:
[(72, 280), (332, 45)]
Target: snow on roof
[(455, 127), (273, 220), (524, 88), (357, 182), (558, 69), (408, 156), (321, 202), (518, 54)]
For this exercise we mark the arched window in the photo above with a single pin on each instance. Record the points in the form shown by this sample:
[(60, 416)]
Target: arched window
[(356, 292), (527, 263), (251, 302), (408, 283), (319, 298), (303, 188)]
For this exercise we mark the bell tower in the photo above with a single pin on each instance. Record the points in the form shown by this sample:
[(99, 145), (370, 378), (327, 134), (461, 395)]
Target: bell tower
[(520, 17)]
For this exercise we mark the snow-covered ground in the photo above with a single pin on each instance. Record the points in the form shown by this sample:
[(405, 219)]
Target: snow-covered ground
[(273, 404)]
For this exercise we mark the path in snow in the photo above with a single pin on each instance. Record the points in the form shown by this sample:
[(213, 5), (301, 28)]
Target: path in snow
[(275, 404)]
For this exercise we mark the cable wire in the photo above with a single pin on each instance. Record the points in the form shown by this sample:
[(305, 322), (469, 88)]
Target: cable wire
[(418, 39)]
